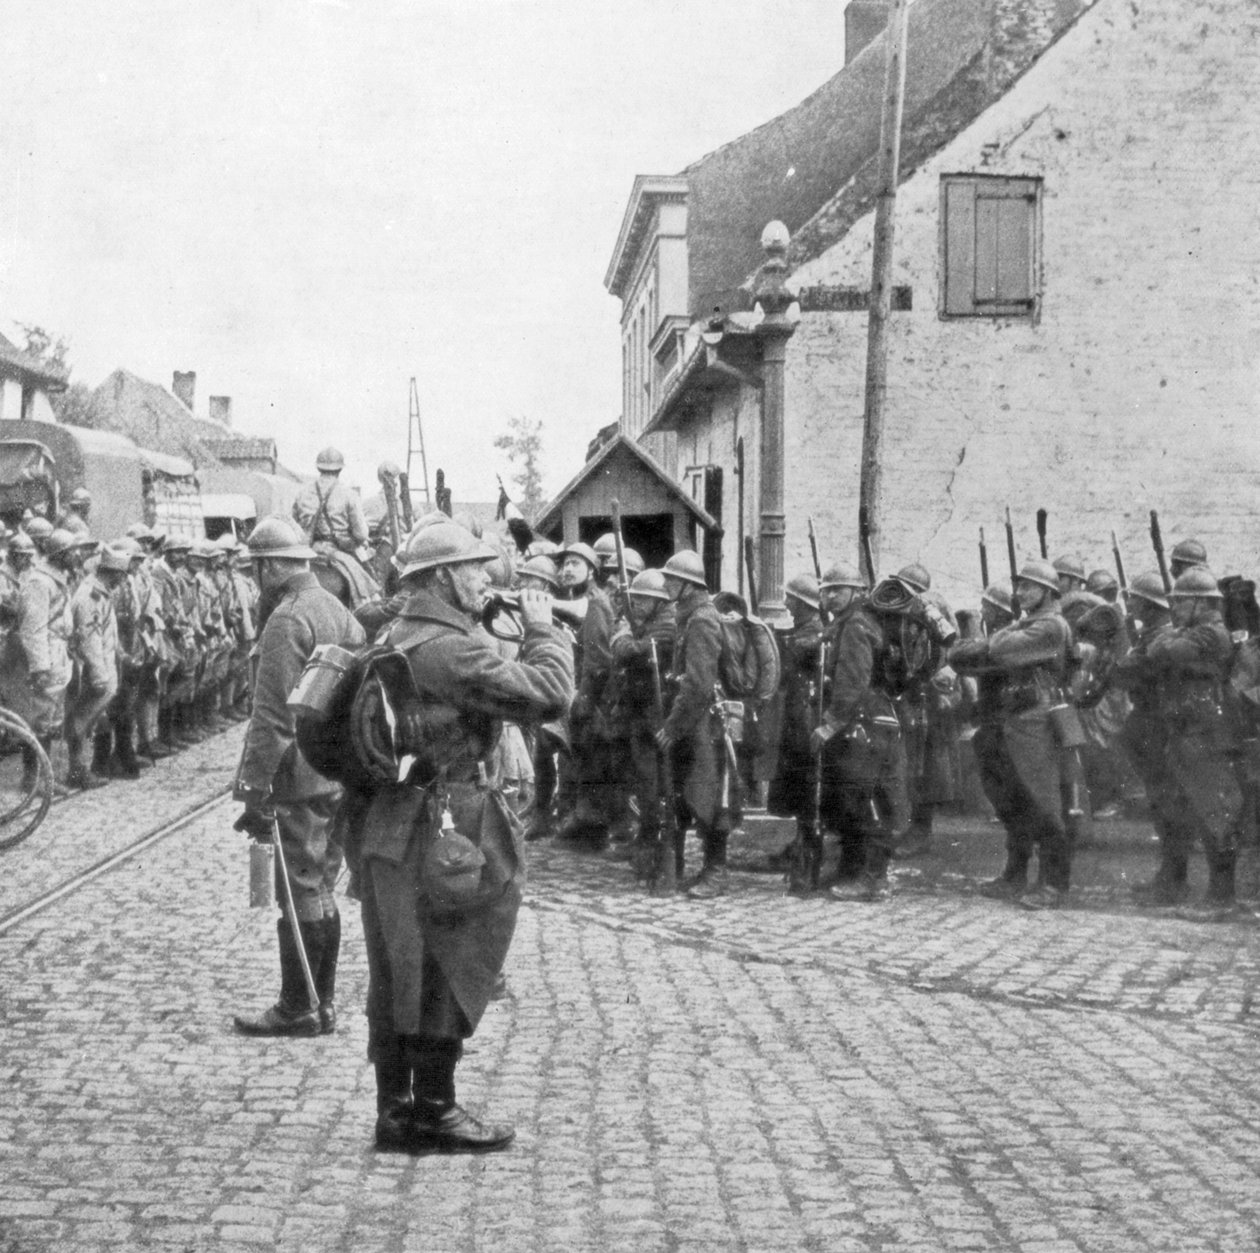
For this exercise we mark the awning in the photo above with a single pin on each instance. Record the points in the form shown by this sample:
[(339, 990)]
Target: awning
[(227, 505)]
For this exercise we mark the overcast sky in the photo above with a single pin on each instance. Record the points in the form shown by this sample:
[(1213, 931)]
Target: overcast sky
[(310, 201)]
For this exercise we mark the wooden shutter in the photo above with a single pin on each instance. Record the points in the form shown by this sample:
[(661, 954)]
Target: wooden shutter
[(989, 239)]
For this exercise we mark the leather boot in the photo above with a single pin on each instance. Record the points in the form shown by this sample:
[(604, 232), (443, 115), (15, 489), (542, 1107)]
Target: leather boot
[(806, 864), (102, 742), (394, 1109), (442, 1125), (292, 1014), (325, 973), (78, 776)]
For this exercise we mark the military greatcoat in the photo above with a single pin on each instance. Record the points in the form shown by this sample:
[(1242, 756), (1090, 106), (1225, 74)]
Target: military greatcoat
[(431, 971)]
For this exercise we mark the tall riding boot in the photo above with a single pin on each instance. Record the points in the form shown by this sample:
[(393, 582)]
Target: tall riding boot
[(394, 1109), (440, 1123), (292, 1014), (712, 880), (325, 974)]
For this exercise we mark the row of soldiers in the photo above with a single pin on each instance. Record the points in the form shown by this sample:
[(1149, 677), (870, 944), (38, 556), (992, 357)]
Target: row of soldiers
[(129, 650), (1060, 683)]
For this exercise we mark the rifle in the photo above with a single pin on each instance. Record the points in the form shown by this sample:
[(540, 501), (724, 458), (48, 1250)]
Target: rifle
[(404, 492), (670, 847), (1010, 557), (1157, 542), (984, 561), (623, 580), (813, 552), (864, 537), (807, 856), (1041, 534), (753, 602), (1115, 552)]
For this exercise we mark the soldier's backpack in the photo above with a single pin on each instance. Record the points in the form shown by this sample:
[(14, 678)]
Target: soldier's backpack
[(749, 665), (912, 634)]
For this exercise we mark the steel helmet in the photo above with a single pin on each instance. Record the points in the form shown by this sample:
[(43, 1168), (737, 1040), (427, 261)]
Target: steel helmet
[(278, 537), (115, 557), (541, 568), (841, 576), (59, 542), (175, 544), (1150, 587), (1073, 567), (330, 459), (500, 568), (634, 563), (86, 541), (80, 496), (686, 565), (915, 577), (542, 548), (441, 544), (1102, 583), (585, 551), (138, 531), (39, 528), (130, 545), (1043, 573), (999, 596), (22, 543), (649, 584), (605, 549), (1189, 552), (804, 587), (226, 542), (1197, 582)]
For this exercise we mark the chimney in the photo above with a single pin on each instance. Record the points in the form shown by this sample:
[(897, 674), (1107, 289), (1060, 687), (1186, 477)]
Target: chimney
[(221, 409), (185, 386), (864, 20)]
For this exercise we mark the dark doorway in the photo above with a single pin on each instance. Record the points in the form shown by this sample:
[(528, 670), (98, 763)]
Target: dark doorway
[(651, 535)]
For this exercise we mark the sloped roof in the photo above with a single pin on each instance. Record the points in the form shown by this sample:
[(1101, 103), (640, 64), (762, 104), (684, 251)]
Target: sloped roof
[(790, 167), (53, 377), (241, 448), (551, 514), (154, 418)]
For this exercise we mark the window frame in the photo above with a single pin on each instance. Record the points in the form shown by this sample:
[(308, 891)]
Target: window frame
[(1026, 188)]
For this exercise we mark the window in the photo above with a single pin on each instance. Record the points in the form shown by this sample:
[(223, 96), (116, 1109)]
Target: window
[(990, 228)]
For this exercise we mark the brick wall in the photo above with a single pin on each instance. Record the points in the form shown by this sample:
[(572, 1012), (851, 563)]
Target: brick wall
[(1139, 385)]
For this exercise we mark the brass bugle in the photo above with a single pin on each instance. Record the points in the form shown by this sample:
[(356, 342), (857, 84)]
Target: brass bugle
[(505, 604)]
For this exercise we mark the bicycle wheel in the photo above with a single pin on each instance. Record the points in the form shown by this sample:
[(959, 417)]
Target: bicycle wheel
[(24, 798)]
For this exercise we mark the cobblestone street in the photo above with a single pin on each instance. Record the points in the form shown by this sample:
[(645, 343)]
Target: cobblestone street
[(757, 1073)]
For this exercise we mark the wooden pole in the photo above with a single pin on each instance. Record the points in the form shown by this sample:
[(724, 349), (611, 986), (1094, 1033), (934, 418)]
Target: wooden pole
[(871, 484)]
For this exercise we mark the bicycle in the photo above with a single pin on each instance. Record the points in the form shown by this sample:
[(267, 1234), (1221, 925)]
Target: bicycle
[(24, 803)]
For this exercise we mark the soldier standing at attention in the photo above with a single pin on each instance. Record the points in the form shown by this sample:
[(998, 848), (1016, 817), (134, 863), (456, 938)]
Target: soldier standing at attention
[(708, 785), (859, 738), (95, 644), (438, 924), (792, 792), (279, 786), (1070, 573), (632, 695), (1031, 658), (1186, 555), (75, 517), (1191, 660)]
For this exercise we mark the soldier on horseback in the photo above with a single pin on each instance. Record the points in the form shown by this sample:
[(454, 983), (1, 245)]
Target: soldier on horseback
[(331, 516)]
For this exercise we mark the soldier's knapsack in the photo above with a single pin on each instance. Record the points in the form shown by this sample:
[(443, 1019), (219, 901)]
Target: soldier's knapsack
[(913, 643), (749, 665)]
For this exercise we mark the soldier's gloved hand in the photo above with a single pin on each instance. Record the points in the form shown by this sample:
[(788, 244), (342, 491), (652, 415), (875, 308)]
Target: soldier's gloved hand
[(256, 823), (535, 607)]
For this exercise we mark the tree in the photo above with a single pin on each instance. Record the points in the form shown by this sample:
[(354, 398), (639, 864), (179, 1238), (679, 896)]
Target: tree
[(41, 345), (522, 442), (74, 405)]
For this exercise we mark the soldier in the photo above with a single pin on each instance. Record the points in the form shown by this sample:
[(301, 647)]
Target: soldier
[(592, 768), (75, 516), (927, 711), (792, 791), (281, 790), (859, 740), (1187, 554), (1144, 739), (328, 511), (183, 625), (95, 645), (39, 529), (539, 574), (708, 786), (1191, 662), (114, 746), (649, 622), (1103, 583), (1070, 572), (245, 605), (1029, 658), (436, 941), (40, 670), (216, 643)]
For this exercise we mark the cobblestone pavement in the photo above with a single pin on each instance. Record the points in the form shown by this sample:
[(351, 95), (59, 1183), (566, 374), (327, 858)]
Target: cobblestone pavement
[(756, 1073)]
